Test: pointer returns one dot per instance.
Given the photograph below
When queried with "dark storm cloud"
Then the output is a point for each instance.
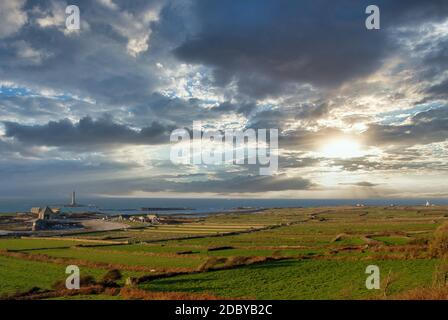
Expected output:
(434, 64)
(313, 112)
(243, 108)
(271, 118)
(282, 117)
(8, 149)
(423, 128)
(15, 150)
(439, 90)
(266, 45)
(40, 178)
(56, 177)
(34, 107)
(182, 112)
(86, 132)
(176, 110)
(236, 184)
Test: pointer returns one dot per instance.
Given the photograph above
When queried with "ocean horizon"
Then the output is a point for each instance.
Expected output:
(197, 205)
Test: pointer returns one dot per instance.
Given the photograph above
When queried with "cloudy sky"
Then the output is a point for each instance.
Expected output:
(361, 113)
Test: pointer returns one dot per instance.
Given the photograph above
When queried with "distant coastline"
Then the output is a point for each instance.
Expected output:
(197, 206)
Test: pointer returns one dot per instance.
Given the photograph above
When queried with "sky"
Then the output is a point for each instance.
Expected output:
(360, 113)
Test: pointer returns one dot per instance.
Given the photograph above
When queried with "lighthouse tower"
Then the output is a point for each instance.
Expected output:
(73, 203)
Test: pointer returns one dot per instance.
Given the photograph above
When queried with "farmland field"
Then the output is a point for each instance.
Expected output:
(275, 254)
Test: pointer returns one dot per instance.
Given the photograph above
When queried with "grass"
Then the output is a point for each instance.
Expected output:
(392, 240)
(24, 244)
(329, 250)
(134, 259)
(202, 250)
(299, 279)
(21, 275)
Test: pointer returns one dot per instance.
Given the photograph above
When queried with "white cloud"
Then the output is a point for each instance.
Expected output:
(12, 17)
(55, 17)
(30, 54)
(108, 4)
(138, 45)
(137, 29)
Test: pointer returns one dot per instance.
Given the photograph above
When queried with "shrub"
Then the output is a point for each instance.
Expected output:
(220, 248)
(185, 252)
(112, 275)
(236, 261)
(211, 263)
(438, 247)
(440, 276)
(418, 241)
(423, 294)
(84, 281)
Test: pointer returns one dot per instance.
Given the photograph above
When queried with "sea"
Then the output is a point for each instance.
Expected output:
(123, 206)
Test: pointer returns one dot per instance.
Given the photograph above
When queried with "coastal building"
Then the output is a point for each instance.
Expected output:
(45, 213)
(152, 218)
(35, 210)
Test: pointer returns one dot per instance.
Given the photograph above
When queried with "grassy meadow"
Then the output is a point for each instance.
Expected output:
(315, 253)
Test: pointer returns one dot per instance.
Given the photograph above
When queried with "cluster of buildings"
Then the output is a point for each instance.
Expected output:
(150, 218)
(51, 218)
(45, 217)
(45, 213)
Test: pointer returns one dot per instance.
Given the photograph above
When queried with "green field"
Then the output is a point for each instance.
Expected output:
(320, 254)
(22, 275)
(120, 258)
(299, 279)
(27, 244)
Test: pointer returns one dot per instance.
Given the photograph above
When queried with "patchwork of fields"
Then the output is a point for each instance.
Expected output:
(275, 254)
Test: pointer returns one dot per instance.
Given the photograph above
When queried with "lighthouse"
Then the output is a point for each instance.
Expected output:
(73, 203)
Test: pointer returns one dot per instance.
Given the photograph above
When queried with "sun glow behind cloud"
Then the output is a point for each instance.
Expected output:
(343, 148)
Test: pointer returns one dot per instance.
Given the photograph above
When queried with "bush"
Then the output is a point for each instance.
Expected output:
(112, 275)
(440, 277)
(438, 246)
(185, 252)
(419, 241)
(423, 294)
(84, 281)
(211, 263)
(219, 248)
(237, 261)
